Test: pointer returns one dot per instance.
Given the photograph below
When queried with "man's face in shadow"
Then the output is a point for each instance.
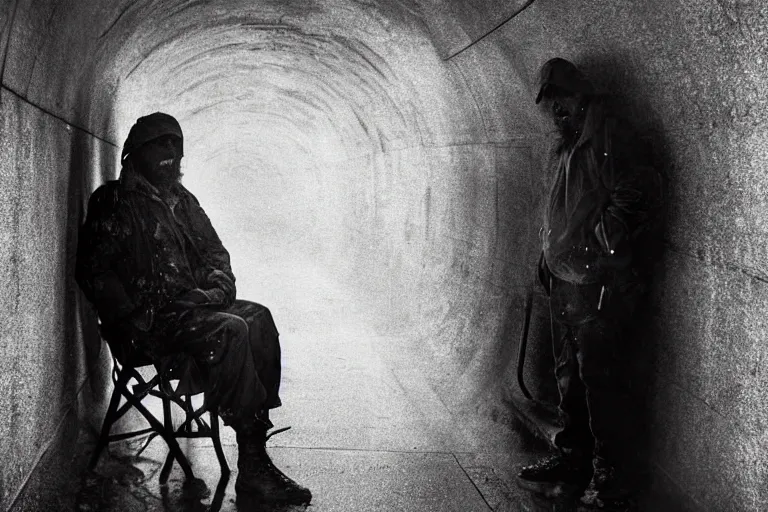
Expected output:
(159, 160)
(566, 110)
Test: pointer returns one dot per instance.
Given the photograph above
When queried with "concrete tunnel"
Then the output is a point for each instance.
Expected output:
(374, 168)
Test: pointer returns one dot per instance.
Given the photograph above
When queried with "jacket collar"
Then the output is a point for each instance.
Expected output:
(594, 121)
(133, 180)
(130, 179)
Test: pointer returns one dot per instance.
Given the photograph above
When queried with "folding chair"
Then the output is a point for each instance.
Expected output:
(126, 359)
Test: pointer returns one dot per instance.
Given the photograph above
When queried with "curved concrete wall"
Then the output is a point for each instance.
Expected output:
(338, 129)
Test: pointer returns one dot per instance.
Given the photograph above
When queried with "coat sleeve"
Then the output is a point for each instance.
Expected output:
(633, 185)
(101, 245)
(217, 270)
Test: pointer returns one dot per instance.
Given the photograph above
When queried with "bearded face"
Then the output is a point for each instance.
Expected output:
(567, 114)
(159, 160)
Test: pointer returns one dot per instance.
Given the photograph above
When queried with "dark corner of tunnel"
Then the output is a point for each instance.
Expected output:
(81, 318)
(464, 267)
(63, 458)
(530, 393)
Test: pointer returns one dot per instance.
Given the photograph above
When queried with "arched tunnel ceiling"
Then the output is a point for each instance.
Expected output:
(294, 77)
(456, 24)
(364, 72)
(430, 165)
(290, 90)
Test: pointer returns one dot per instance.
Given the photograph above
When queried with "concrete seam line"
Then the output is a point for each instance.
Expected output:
(494, 29)
(40, 454)
(363, 450)
(56, 116)
(478, 109)
(9, 26)
(677, 485)
(472, 482)
(717, 262)
(521, 142)
(711, 408)
(44, 449)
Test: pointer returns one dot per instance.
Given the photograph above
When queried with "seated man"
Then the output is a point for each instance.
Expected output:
(154, 268)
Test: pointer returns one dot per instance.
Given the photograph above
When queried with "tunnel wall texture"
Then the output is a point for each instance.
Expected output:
(426, 175)
(49, 352)
(694, 74)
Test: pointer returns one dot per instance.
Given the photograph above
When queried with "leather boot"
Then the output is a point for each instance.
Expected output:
(607, 491)
(257, 475)
(556, 475)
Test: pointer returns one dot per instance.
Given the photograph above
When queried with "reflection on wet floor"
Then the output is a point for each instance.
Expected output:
(126, 482)
(369, 432)
(123, 482)
(341, 480)
(537, 503)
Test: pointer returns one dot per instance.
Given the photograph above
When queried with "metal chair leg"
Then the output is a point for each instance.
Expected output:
(187, 411)
(165, 430)
(221, 489)
(109, 419)
(168, 421)
(165, 472)
(217, 444)
(168, 437)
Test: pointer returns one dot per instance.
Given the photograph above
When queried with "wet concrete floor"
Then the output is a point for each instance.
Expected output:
(368, 432)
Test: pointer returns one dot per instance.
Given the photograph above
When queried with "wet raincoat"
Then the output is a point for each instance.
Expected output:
(140, 256)
(599, 238)
(138, 253)
(605, 193)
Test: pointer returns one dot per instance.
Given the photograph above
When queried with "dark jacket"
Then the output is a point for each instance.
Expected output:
(136, 255)
(604, 195)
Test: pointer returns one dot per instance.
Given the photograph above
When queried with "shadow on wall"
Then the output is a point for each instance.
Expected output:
(613, 78)
(81, 324)
(74, 376)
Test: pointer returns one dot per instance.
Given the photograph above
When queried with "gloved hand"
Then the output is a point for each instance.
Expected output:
(611, 235)
(219, 280)
(198, 297)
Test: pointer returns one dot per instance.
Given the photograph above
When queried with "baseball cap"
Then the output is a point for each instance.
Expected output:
(564, 75)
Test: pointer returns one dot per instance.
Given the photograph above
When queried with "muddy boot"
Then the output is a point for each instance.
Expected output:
(257, 475)
(556, 476)
(607, 491)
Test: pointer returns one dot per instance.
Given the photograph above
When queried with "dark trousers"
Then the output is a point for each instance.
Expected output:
(231, 355)
(592, 350)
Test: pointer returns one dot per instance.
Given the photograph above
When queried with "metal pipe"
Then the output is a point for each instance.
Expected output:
(523, 344)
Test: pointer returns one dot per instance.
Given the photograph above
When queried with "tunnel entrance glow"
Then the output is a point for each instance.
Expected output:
(375, 170)
(311, 153)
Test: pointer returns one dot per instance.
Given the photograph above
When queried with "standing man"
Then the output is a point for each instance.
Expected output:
(153, 266)
(595, 270)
